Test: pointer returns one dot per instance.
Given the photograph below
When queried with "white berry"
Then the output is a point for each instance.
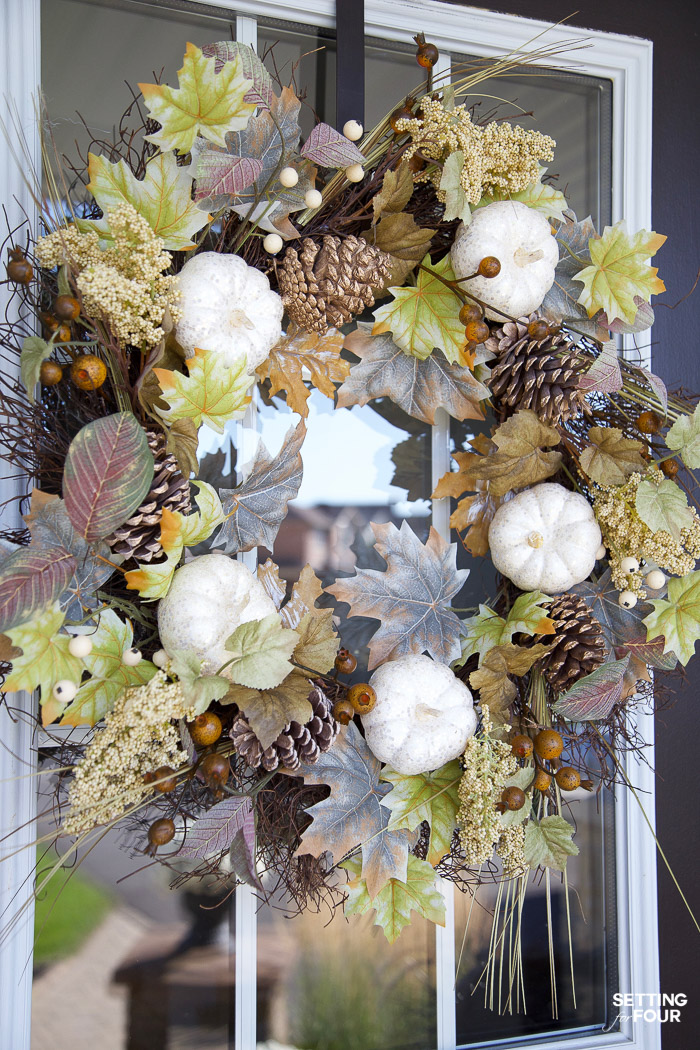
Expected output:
(272, 243)
(64, 691)
(313, 198)
(629, 565)
(353, 130)
(355, 173)
(80, 646)
(601, 552)
(132, 657)
(627, 599)
(289, 177)
(655, 579)
(160, 658)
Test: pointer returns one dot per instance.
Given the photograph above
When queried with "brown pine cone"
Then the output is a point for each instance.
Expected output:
(325, 285)
(296, 743)
(541, 375)
(577, 646)
(139, 537)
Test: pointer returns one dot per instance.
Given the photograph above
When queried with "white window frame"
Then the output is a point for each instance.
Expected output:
(627, 62)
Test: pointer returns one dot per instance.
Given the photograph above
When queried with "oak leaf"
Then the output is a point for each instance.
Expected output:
(619, 272)
(611, 457)
(410, 598)
(299, 350)
(418, 892)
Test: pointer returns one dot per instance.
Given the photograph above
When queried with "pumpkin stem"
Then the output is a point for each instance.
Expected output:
(535, 539)
(523, 257)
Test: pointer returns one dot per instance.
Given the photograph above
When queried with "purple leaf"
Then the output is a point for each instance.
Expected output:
(108, 473)
(652, 653)
(330, 149)
(260, 94)
(242, 853)
(604, 374)
(30, 580)
(656, 384)
(644, 319)
(594, 696)
(215, 830)
(219, 173)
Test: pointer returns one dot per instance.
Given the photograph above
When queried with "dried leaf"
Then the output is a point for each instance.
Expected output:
(317, 643)
(473, 514)
(258, 507)
(519, 461)
(643, 320)
(419, 387)
(492, 678)
(30, 581)
(398, 234)
(303, 598)
(664, 507)
(410, 598)
(352, 815)
(328, 148)
(183, 442)
(396, 192)
(619, 272)
(211, 392)
(260, 651)
(677, 617)
(430, 797)
(214, 831)
(548, 842)
(268, 711)
(604, 374)
(418, 892)
(299, 350)
(593, 697)
(611, 457)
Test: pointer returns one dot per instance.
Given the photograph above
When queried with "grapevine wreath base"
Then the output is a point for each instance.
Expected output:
(428, 264)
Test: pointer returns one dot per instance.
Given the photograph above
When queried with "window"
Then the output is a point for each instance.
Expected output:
(610, 88)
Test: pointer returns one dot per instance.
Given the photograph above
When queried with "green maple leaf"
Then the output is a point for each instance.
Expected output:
(427, 796)
(260, 651)
(684, 436)
(199, 689)
(424, 316)
(539, 196)
(195, 528)
(619, 271)
(212, 392)
(396, 900)
(487, 629)
(456, 203)
(45, 658)
(664, 507)
(206, 103)
(677, 617)
(548, 843)
(109, 675)
(153, 581)
(163, 197)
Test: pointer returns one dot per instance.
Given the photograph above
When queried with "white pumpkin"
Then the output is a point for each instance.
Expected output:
(227, 307)
(208, 599)
(521, 239)
(546, 538)
(423, 715)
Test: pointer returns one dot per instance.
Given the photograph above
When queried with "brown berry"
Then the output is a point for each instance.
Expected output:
(402, 113)
(50, 373)
(19, 269)
(88, 372)
(416, 163)
(521, 745)
(63, 334)
(567, 778)
(670, 467)
(470, 312)
(513, 798)
(206, 729)
(538, 329)
(549, 744)
(215, 770)
(489, 266)
(164, 780)
(66, 308)
(648, 423)
(49, 322)
(343, 712)
(542, 780)
(362, 697)
(427, 55)
(477, 331)
(161, 832)
(345, 662)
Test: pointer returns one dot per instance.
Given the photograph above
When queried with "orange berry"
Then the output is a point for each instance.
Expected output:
(206, 729)
(470, 312)
(362, 697)
(88, 372)
(63, 333)
(402, 113)
(215, 770)
(161, 832)
(343, 712)
(427, 55)
(19, 269)
(168, 781)
(542, 780)
(549, 744)
(489, 266)
(538, 329)
(567, 778)
(477, 331)
(521, 745)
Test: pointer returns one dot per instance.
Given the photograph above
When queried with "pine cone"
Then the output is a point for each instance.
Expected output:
(577, 647)
(326, 285)
(139, 537)
(541, 375)
(295, 744)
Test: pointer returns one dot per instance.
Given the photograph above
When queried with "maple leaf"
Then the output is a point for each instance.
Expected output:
(519, 461)
(255, 510)
(352, 815)
(269, 710)
(418, 387)
(619, 272)
(604, 374)
(487, 629)
(430, 797)
(399, 235)
(305, 591)
(260, 651)
(318, 643)
(199, 689)
(153, 581)
(473, 514)
(163, 197)
(109, 675)
(548, 842)
(45, 658)
(396, 192)
(425, 316)
(393, 905)
(684, 437)
(492, 678)
(677, 617)
(664, 507)
(594, 696)
(538, 195)
(410, 598)
(611, 457)
(205, 103)
(211, 393)
(300, 350)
